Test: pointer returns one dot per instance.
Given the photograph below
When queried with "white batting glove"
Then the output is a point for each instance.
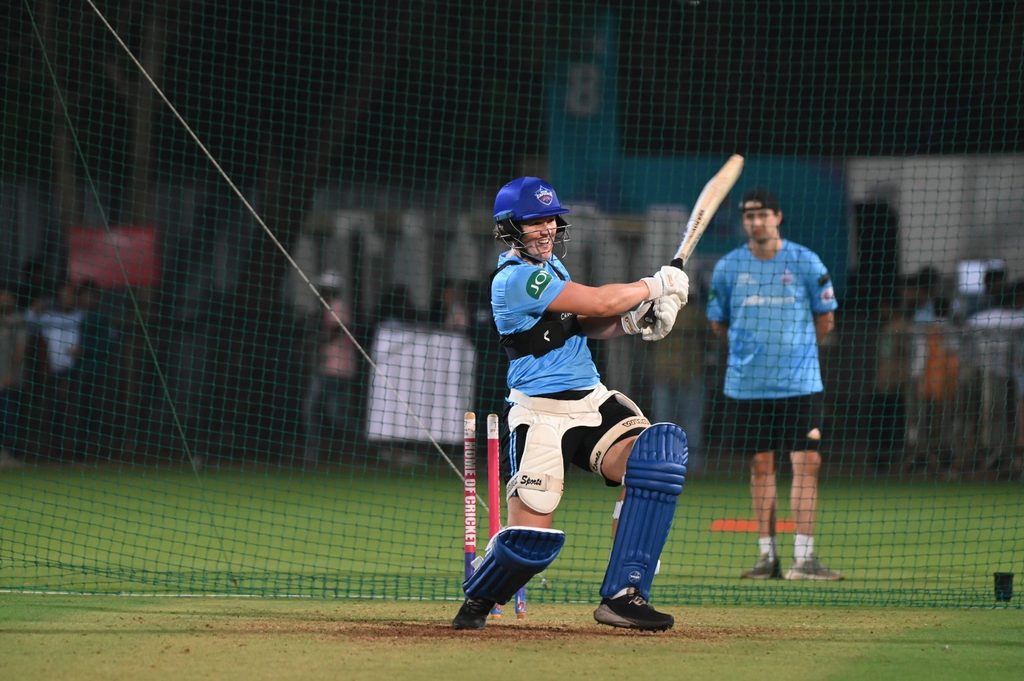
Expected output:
(633, 321)
(666, 281)
(665, 310)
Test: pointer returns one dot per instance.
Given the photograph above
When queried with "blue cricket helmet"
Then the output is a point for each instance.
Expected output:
(523, 199)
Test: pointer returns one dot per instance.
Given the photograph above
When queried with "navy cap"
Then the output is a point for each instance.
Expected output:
(760, 199)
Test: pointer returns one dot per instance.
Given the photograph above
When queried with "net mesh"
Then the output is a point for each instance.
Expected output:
(246, 304)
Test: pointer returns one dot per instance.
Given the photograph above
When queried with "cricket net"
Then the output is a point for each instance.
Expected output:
(246, 303)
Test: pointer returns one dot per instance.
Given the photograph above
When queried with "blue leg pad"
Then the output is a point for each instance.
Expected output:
(514, 556)
(655, 474)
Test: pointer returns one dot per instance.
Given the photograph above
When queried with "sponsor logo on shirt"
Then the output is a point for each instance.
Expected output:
(536, 284)
(758, 300)
(745, 279)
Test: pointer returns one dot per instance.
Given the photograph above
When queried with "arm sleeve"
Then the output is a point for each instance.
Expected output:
(819, 285)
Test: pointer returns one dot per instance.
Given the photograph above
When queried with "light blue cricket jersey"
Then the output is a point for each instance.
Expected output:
(520, 294)
(770, 307)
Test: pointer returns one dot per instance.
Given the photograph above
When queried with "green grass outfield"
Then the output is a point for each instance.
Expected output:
(251, 639)
(347, 533)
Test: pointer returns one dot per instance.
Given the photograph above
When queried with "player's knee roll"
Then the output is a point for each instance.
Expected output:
(658, 460)
(513, 557)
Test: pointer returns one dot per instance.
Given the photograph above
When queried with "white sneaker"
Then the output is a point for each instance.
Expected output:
(813, 569)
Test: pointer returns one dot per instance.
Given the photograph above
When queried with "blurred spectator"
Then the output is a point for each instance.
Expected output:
(995, 283)
(1017, 352)
(13, 339)
(992, 333)
(60, 327)
(455, 307)
(91, 377)
(968, 302)
(678, 382)
(922, 295)
(931, 407)
(334, 386)
(892, 380)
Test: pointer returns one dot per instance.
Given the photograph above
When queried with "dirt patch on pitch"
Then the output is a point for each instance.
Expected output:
(527, 632)
(412, 632)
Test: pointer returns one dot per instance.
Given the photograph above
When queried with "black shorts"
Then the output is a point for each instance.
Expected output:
(774, 425)
(577, 443)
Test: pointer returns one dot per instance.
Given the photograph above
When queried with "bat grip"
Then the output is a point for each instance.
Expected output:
(649, 315)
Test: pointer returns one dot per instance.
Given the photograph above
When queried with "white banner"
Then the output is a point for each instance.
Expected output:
(423, 384)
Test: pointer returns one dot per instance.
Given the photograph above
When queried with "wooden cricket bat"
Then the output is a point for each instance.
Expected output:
(703, 210)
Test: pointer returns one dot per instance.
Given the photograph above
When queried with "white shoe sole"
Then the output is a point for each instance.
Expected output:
(796, 575)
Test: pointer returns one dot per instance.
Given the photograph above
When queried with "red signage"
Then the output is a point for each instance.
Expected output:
(114, 257)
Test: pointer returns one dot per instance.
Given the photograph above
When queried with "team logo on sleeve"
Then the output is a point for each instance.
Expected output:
(828, 295)
(536, 284)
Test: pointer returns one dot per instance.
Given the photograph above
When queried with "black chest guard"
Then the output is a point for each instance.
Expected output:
(550, 333)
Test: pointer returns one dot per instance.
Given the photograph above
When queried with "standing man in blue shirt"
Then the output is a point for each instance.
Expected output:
(559, 413)
(772, 302)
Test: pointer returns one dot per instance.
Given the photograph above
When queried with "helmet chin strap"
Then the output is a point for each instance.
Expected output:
(522, 252)
(559, 239)
(537, 261)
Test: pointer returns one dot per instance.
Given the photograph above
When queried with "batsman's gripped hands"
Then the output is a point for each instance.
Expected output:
(666, 281)
(664, 311)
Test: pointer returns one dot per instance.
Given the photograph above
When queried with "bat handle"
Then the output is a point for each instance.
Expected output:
(649, 315)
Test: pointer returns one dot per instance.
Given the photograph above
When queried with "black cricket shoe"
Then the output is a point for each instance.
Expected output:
(473, 614)
(632, 611)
